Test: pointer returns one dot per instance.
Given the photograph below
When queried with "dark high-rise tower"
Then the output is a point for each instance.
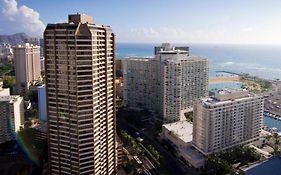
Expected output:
(79, 66)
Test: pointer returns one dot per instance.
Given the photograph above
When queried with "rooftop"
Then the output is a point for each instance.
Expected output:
(11, 99)
(76, 18)
(26, 45)
(138, 58)
(227, 95)
(4, 91)
(182, 129)
(173, 51)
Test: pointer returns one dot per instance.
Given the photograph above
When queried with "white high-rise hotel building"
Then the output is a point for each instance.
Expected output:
(226, 119)
(167, 83)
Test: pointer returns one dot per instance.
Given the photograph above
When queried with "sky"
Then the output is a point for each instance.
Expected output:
(154, 21)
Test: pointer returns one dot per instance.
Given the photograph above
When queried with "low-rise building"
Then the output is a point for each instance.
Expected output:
(180, 134)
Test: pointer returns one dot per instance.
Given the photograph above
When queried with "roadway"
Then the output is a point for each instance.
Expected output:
(172, 164)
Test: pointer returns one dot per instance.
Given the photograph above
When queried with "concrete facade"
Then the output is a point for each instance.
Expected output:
(27, 66)
(169, 83)
(226, 119)
(141, 89)
(80, 89)
(11, 115)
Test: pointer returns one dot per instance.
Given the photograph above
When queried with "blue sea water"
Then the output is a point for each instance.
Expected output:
(257, 60)
(270, 166)
(231, 85)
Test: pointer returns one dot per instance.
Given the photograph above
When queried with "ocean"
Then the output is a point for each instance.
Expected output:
(257, 60)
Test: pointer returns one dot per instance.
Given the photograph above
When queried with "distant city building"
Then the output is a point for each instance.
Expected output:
(42, 64)
(6, 53)
(27, 66)
(169, 83)
(33, 41)
(80, 90)
(167, 47)
(119, 70)
(226, 119)
(42, 58)
(11, 115)
(42, 103)
(41, 44)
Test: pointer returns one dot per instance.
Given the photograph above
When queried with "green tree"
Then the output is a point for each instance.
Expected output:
(8, 81)
(154, 152)
(189, 116)
(217, 166)
(5, 69)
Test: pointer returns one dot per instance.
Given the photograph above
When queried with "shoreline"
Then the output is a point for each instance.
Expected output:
(225, 79)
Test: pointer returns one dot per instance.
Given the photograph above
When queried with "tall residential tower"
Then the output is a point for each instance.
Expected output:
(169, 83)
(79, 65)
(27, 66)
(183, 79)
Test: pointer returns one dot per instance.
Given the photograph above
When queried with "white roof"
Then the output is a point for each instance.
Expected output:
(182, 129)
(10, 99)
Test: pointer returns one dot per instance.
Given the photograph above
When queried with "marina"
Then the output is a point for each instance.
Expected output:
(272, 122)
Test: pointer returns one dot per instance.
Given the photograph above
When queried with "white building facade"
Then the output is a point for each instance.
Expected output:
(27, 66)
(168, 83)
(11, 115)
(227, 119)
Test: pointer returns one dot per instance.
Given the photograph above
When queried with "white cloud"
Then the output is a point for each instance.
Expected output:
(267, 34)
(225, 19)
(149, 34)
(16, 19)
(247, 29)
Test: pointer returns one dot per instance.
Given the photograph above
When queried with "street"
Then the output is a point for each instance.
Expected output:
(171, 164)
